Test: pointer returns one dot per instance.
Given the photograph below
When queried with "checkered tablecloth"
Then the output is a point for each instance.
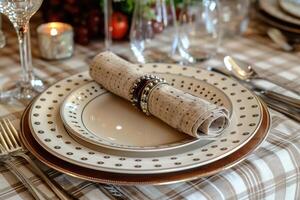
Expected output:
(271, 172)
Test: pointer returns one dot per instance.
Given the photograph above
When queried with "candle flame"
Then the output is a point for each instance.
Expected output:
(53, 31)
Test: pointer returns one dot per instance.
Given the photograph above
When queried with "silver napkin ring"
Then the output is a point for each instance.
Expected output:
(146, 93)
(136, 88)
(139, 86)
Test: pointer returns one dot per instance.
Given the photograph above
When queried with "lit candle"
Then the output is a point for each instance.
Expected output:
(56, 40)
(53, 32)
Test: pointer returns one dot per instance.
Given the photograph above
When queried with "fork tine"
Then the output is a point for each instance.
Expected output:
(2, 140)
(11, 133)
(13, 129)
(2, 149)
(6, 140)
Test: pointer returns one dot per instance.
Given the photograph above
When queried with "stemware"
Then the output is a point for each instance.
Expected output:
(19, 13)
(2, 36)
(234, 16)
(153, 27)
(107, 23)
(199, 30)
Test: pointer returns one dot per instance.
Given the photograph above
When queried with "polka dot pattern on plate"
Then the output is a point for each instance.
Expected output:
(54, 138)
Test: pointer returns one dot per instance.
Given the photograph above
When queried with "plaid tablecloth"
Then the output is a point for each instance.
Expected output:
(271, 172)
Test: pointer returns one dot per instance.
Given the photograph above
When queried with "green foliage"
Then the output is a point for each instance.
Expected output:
(124, 6)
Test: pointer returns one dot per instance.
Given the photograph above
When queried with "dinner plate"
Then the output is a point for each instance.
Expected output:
(291, 6)
(48, 129)
(272, 8)
(293, 29)
(89, 174)
(97, 118)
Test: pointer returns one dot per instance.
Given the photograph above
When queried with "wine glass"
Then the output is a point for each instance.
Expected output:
(19, 13)
(2, 36)
(107, 24)
(153, 34)
(234, 16)
(199, 30)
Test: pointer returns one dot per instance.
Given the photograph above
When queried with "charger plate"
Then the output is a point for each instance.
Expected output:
(140, 179)
(48, 129)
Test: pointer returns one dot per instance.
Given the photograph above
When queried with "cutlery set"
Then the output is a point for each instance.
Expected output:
(10, 149)
(286, 105)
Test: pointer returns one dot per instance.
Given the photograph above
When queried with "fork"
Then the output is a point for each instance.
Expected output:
(8, 161)
(13, 144)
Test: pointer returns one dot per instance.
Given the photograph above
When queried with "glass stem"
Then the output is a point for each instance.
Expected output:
(25, 54)
(29, 55)
(0, 22)
(107, 23)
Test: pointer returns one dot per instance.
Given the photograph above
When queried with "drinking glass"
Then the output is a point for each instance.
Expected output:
(2, 36)
(199, 30)
(153, 34)
(107, 5)
(19, 13)
(234, 16)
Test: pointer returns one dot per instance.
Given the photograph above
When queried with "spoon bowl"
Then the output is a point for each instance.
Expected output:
(233, 67)
(249, 74)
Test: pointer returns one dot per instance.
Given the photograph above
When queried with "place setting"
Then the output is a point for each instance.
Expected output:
(157, 104)
(83, 124)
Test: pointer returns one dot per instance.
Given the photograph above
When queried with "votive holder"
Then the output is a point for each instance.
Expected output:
(55, 40)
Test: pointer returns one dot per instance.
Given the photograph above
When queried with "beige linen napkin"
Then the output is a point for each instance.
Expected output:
(183, 111)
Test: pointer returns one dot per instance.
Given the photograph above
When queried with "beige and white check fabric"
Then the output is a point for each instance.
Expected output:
(271, 172)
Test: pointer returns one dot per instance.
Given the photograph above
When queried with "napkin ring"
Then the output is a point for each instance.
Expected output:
(146, 93)
(137, 88)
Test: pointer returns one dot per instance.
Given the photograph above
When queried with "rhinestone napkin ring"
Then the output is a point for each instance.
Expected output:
(141, 90)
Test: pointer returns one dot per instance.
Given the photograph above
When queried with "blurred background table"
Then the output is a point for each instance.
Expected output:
(271, 172)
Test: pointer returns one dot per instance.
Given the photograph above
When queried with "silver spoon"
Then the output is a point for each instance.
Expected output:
(246, 76)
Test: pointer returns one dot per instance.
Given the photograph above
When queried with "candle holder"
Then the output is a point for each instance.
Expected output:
(56, 40)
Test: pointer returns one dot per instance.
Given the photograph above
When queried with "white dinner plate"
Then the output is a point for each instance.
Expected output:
(98, 118)
(291, 6)
(48, 128)
(272, 8)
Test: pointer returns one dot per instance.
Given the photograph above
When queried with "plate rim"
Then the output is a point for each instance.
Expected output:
(143, 179)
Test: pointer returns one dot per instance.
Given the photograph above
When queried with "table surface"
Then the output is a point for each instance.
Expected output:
(271, 172)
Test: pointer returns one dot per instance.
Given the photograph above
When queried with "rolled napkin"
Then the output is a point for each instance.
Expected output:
(185, 112)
